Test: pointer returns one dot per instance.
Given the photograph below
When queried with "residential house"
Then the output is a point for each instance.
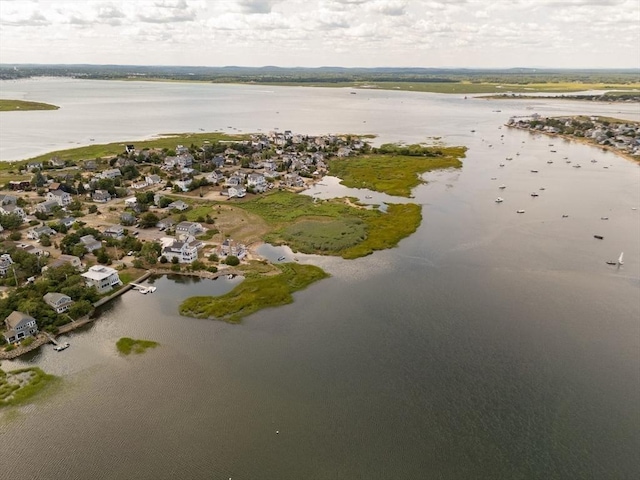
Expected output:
(90, 243)
(56, 162)
(153, 179)
(183, 184)
(166, 223)
(184, 251)
(102, 277)
(234, 181)
(178, 205)
(61, 198)
(47, 206)
(114, 231)
(238, 192)
(32, 249)
(33, 165)
(101, 196)
(11, 208)
(257, 182)
(130, 202)
(5, 264)
(110, 174)
(63, 260)
(231, 247)
(67, 221)
(36, 232)
(215, 176)
(8, 199)
(19, 184)
(19, 325)
(127, 219)
(90, 165)
(58, 301)
(189, 228)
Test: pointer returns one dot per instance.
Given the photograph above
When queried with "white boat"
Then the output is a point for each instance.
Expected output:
(499, 200)
(620, 262)
(604, 218)
(534, 194)
(61, 346)
(576, 165)
(502, 187)
(519, 211)
(534, 171)
(549, 161)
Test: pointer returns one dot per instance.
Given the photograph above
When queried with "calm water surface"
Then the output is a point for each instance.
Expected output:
(488, 345)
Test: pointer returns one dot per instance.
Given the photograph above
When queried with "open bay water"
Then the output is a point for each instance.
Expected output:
(488, 345)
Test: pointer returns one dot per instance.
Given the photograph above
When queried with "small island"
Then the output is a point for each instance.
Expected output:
(18, 386)
(127, 346)
(22, 105)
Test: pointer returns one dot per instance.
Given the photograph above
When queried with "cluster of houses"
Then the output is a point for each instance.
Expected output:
(622, 136)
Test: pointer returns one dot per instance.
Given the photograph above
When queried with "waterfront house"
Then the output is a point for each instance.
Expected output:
(102, 277)
(184, 251)
(33, 165)
(47, 206)
(19, 325)
(61, 198)
(63, 260)
(36, 232)
(231, 247)
(58, 301)
(101, 196)
(189, 228)
(90, 243)
(5, 264)
(56, 162)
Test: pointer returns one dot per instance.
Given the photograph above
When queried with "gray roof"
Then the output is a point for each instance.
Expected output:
(14, 319)
(55, 297)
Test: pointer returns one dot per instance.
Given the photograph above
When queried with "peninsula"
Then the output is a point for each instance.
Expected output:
(80, 225)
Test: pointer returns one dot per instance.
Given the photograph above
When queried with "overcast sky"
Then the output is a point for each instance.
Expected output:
(312, 33)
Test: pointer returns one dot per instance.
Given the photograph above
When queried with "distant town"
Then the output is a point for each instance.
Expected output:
(86, 227)
(623, 137)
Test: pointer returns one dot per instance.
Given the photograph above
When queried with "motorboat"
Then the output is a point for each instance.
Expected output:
(61, 346)
(519, 211)
(577, 165)
(549, 162)
(542, 188)
(534, 171)
(502, 187)
(599, 237)
(502, 164)
(534, 194)
(499, 200)
(280, 259)
(565, 216)
(604, 218)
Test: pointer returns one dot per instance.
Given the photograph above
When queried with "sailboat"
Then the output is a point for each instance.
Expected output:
(620, 262)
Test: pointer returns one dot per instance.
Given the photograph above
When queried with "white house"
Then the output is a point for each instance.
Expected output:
(185, 252)
(10, 208)
(36, 232)
(257, 182)
(102, 277)
(183, 184)
(19, 325)
(189, 228)
(5, 264)
(58, 301)
(236, 192)
(61, 198)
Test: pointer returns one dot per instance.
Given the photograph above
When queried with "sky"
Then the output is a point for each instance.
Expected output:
(313, 33)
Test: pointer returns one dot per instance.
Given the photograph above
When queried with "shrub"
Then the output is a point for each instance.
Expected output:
(232, 260)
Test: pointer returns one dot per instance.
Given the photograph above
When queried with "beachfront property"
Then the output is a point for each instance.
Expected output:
(5, 264)
(58, 301)
(61, 198)
(185, 251)
(102, 277)
(19, 326)
(231, 247)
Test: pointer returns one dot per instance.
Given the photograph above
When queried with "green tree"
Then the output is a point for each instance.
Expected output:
(232, 260)
(10, 221)
(45, 240)
(148, 220)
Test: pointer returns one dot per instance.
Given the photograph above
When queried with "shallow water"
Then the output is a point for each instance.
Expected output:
(487, 345)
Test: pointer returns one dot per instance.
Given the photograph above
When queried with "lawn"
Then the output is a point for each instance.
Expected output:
(254, 293)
